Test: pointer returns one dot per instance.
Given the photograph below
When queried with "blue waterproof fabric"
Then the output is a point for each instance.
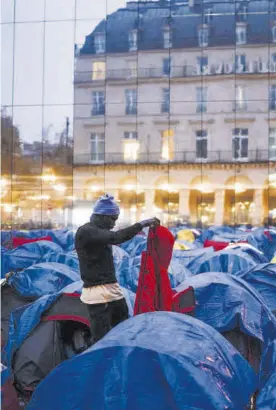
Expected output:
(262, 242)
(263, 279)
(135, 246)
(67, 259)
(249, 250)
(225, 302)
(134, 367)
(127, 272)
(177, 272)
(267, 397)
(191, 259)
(27, 255)
(43, 278)
(228, 261)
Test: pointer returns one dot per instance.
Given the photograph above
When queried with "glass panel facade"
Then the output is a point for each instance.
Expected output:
(174, 99)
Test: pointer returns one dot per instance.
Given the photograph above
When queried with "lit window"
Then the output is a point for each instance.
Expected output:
(98, 70)
(240, 103)
(274, 34)
(167, 145)
(201, 99)
(99, 42)
(131, 146)
(240, 34)
(272, 98)
(201, 144)
(97, 146)
(98, 103)
(203, 36)
(166, 100)
(131, 102)
(167, 38)
(272, 144)
(132, 40)
(240, 144)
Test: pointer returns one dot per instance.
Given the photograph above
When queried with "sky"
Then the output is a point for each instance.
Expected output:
(37, 62)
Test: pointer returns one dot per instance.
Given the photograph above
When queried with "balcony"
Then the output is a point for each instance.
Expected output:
(185, 71)
(187, 157)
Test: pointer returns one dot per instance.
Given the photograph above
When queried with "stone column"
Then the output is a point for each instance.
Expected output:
(257, 214)
(149, 204)
(219, 207)
(184, 208)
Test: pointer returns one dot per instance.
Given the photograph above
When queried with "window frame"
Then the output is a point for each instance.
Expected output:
(131, 103)
(272, 101)
(241, 34)
(98, 75)
(97, 43)
(165, 107)
(98, 108)
(201, 103)
(131, 139)
(167, 38)
(133, 41)
(240, 104)
(203, 36)
(97, 138)
(273, 33)
(272, 137)
(237, 136)
(202, 138)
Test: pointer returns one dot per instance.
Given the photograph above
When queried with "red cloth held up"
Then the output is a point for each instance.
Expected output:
(18, 241)
(218, 246)
(154, 291)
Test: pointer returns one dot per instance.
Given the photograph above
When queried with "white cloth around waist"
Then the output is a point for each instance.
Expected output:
(101, 294)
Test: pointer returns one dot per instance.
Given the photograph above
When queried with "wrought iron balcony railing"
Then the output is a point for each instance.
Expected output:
(185, 157)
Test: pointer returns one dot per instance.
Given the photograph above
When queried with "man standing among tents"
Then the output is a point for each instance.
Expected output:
(101, 292)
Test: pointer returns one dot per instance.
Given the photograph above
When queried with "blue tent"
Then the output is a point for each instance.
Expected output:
(263, 279)
(228, 261)
(225, 301)
(42, 279)
(267, 397)
(156, 361)
(27, 255)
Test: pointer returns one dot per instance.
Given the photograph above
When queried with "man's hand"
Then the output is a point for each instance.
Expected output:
(150, 222)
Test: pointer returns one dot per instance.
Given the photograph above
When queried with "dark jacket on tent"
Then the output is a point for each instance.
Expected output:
(93, 246)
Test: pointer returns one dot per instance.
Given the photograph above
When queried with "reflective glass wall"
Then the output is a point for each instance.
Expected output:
(168, 105)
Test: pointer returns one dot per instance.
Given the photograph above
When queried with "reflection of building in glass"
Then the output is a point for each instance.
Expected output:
(175, 110)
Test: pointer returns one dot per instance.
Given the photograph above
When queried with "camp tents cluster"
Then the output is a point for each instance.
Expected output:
(203, 337)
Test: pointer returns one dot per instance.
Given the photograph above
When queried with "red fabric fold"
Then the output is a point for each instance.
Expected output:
(18, 241)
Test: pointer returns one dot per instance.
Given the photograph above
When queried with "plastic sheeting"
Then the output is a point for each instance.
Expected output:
(263, 279)
(249, 250)
(134, 367)
(27, 255)
(42, 279)
(267, 397)
(228, 261)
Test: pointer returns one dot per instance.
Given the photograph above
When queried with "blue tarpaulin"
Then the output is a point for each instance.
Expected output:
(267, 397)
(225, 302)
(155, 361)
(263, 279)
(43, 278)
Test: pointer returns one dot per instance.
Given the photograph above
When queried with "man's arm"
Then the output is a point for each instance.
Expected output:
(106, 237)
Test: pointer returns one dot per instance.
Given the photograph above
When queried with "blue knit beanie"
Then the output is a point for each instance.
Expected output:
(106, 206)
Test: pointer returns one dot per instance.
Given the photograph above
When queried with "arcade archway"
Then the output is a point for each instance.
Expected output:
(166, 200)
(202, 200)
(239, 200)
(132, 200)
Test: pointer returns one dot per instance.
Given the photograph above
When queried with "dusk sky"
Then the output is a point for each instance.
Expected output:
(38, 59)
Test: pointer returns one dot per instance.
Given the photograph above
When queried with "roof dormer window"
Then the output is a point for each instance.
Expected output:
(132, 40)
(274, 33)
(99, 43)
(240, 33)
(167, 35)
(208, 16)
(203, 36)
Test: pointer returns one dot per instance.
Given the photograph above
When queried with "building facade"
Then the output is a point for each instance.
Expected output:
(175, 112)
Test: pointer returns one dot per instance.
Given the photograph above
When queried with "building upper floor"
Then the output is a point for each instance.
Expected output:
(176, 24)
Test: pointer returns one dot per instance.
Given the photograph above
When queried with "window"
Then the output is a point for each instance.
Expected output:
(208, 16)
(132, 69)
(202, 63)
(131, 146)
(240, 143)
(274, 34)
(132, 40)
(201, 144)
(166, 66)
(240, 103)
(201, 98)
(131, 102)
(272, 144)
(203, 36)
(240, 34)
(166, 100)
(98, 103)
(167, 145)
(272, 98)
(99, 42)
(242, 12)
(98, 70)
(240, 63)
(167, 38)
(97, 147)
